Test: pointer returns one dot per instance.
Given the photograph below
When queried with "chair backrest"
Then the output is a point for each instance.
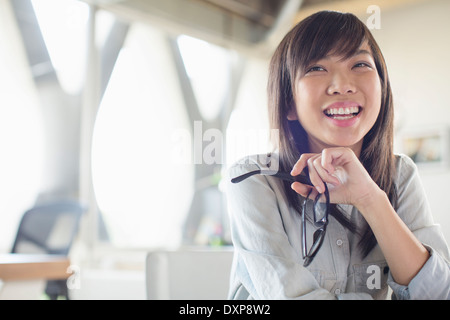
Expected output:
(188, 274)
(48, 228)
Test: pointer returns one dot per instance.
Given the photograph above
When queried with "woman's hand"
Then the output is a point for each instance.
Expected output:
(347, 180)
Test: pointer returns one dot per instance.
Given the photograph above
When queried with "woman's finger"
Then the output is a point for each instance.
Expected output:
(313, 167)
(301, 163)
(317, 174)
(301, 189)
(325, 175)
(299, 166)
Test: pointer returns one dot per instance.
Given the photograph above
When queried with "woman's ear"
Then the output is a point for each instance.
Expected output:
(292, 114)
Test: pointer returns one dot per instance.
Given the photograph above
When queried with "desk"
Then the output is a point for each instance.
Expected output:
(20, 273)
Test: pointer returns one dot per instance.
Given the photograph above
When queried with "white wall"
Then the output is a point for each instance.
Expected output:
(416, 46)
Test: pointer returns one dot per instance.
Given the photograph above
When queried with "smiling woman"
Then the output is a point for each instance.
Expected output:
(330, 98)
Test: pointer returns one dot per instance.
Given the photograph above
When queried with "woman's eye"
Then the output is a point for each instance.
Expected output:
(362, 65)
(315, 68)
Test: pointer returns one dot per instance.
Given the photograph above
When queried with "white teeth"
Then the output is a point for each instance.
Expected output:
(342, 111)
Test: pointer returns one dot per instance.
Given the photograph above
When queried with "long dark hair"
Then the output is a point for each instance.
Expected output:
(321, 34)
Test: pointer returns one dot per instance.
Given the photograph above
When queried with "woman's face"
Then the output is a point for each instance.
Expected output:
(337, 101)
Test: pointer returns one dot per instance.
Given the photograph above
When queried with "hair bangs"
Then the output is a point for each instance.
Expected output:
(338, 35)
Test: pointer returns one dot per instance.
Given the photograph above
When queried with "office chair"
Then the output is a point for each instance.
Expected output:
(49, 229)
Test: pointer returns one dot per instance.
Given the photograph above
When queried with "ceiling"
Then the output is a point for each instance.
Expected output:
(250, 26)
(246, 25)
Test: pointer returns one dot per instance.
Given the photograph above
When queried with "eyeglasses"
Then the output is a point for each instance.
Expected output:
(320, 207)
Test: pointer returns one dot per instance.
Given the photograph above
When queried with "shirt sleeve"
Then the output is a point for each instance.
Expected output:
(433, 280)
(424, 286)
(265, 262)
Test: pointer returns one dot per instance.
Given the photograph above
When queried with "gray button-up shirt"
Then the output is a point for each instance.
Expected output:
(266, 234)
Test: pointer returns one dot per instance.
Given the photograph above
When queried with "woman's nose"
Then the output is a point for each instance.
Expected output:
(341, 83)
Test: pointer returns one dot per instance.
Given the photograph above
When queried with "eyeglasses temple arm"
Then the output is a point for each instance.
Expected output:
(288, 177)
(281, 175)
(245, 176)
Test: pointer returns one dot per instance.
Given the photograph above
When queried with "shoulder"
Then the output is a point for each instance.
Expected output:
(255, 186)
(266, 161)
(412, 204)
(406, 169)
(405, 162)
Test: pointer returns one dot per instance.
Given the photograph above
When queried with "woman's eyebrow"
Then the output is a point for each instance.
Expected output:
(358, 52)
(362, 51)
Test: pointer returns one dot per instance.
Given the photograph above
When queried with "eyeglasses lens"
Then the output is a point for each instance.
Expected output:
(317, 206)
(320, 210)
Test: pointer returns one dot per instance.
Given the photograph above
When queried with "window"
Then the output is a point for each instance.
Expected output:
(64, 27)
(21, 134)
(208, 69)
(248, 128)
(143, 194)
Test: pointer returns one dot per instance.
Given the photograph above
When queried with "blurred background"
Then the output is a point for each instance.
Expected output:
(135, 108)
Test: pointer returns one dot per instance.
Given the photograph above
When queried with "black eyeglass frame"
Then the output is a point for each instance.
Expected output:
(321, 224)
(278, 174)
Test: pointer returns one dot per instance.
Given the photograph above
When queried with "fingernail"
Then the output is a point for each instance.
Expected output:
(319, 189)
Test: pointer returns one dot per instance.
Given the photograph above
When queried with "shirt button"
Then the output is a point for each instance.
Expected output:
(339, 242)
(337, 291)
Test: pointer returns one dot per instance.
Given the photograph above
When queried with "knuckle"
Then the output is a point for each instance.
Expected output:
(317, 161)
(304, 157)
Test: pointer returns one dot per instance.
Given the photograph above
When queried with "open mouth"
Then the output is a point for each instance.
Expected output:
(342, 113)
